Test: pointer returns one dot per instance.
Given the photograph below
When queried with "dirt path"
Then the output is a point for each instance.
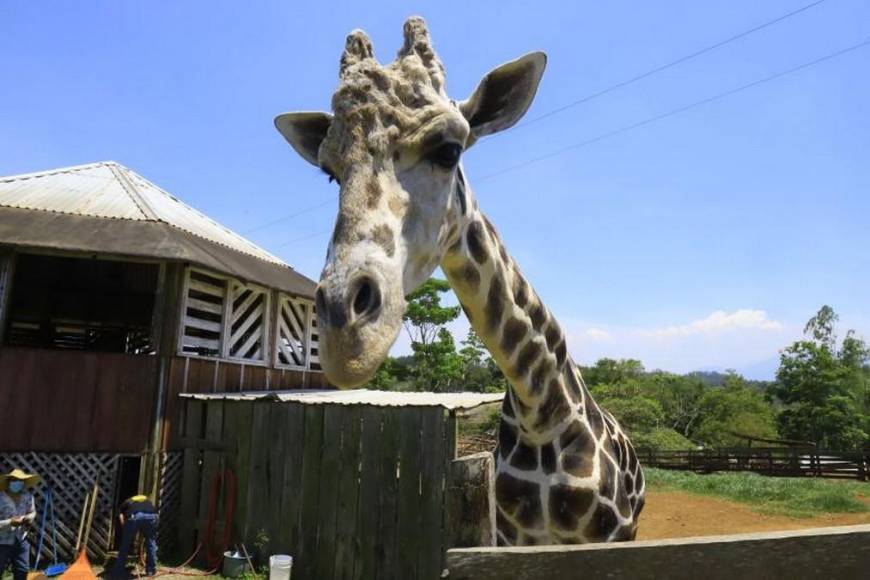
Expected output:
(678, 515)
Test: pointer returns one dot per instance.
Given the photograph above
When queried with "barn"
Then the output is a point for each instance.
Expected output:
(116, 298)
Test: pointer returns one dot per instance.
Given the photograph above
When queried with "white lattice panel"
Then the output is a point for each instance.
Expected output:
(297, 334)
(203, 315)
(248, 322)
(71, 476)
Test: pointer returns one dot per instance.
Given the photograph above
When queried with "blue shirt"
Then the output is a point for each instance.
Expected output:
(10, 508)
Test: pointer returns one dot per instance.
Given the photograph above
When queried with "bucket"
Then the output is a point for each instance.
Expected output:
(279, 567)
(234, 565)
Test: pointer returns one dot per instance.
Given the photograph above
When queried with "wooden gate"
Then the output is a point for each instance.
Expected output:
(349, 490)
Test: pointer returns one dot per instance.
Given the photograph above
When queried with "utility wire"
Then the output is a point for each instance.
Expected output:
(676, 111)
(286, 217)
(299, 239)
(671, 64)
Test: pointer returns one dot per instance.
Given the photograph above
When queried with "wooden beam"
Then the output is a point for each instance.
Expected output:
(470, 501)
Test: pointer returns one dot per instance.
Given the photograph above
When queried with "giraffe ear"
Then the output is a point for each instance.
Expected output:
(504, 95)
(305, 132)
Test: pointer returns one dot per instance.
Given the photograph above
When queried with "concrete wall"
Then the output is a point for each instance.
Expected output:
(841, 553)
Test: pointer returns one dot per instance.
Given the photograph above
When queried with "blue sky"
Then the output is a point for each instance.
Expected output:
(704, 240)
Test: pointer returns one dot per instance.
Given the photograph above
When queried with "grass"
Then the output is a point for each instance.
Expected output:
(788, 496)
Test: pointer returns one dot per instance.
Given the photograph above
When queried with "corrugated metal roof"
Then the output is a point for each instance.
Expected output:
(110, 190)
(450, 401)
(107, 208)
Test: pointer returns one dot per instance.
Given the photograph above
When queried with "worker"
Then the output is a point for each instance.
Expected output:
(137, 515)
(17, 512)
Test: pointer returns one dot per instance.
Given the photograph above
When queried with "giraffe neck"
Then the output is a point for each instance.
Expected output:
(522, 336)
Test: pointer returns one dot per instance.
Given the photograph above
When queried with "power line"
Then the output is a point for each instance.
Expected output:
(287, 217)
(673, 112)
(671, 64)
(299, 239)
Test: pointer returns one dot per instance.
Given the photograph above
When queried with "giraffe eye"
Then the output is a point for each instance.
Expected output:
(446, 155)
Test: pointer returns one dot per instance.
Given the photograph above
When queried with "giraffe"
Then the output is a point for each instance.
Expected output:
(565, 470)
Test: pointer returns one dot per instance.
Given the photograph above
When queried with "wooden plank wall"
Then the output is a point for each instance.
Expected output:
(203, 375)
(61, 400)
(350, 491)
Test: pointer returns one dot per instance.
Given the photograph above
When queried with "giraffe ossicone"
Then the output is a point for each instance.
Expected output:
(566, 472)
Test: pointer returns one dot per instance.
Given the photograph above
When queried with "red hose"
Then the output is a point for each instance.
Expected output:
(224, 480)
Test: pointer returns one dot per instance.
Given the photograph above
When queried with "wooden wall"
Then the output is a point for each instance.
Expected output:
(203, 375)
(61, 400)
(350, 491)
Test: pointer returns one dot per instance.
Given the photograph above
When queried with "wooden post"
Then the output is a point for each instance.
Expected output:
(470, 501)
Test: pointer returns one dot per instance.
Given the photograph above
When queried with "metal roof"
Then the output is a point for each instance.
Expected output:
(130, 215)
(450, 401)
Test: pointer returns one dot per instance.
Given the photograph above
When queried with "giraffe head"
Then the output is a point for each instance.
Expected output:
(393, 143)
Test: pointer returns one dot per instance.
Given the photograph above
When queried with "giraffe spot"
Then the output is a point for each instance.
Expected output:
(628, 482)
(467, 275)
(638, 480)
(507, 408)
(554, 408)
(622, 503)
(502, 252)
(490, 228)
(569, 504)
(548, 458)
(476, 246)
(527, 356)
(514, 331)
(553, 334)
(632, 461)
(561, 353)
(460, 193)
(625, 533)
(607, 483)
(578, 454)
(507, 439)
(396, 206)
(505, 528)
(383, 236)
(521, 289)
(593, 414)
(494, 303)
(520, 499)
(373, 193)
(601, 525)
(524, 457)
(538, 314)
(539, 376)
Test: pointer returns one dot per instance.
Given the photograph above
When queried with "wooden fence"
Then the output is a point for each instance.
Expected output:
(350, 491)
(842, 553)
(775, 461)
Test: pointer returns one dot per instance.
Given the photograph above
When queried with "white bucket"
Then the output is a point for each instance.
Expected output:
(279, 567)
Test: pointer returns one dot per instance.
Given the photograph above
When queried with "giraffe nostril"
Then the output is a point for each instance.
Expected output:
(368, 298)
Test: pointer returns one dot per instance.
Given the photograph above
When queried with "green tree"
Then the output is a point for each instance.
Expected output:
(821, 389)
(734, 408)
(480, 373)
(437, 366)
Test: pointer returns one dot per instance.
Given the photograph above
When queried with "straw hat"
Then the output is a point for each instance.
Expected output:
(29, 479)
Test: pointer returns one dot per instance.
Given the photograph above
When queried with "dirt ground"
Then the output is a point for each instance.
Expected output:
(678, 515)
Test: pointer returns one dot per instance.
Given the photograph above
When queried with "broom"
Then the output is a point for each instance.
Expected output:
(81, 569)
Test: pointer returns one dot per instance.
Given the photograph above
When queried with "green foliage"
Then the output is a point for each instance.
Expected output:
(823, 391)
(436, 365)
(733, 409)
(661, 438)
(795, 497)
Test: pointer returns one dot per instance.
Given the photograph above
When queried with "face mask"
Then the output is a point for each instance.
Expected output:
(16, 486)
